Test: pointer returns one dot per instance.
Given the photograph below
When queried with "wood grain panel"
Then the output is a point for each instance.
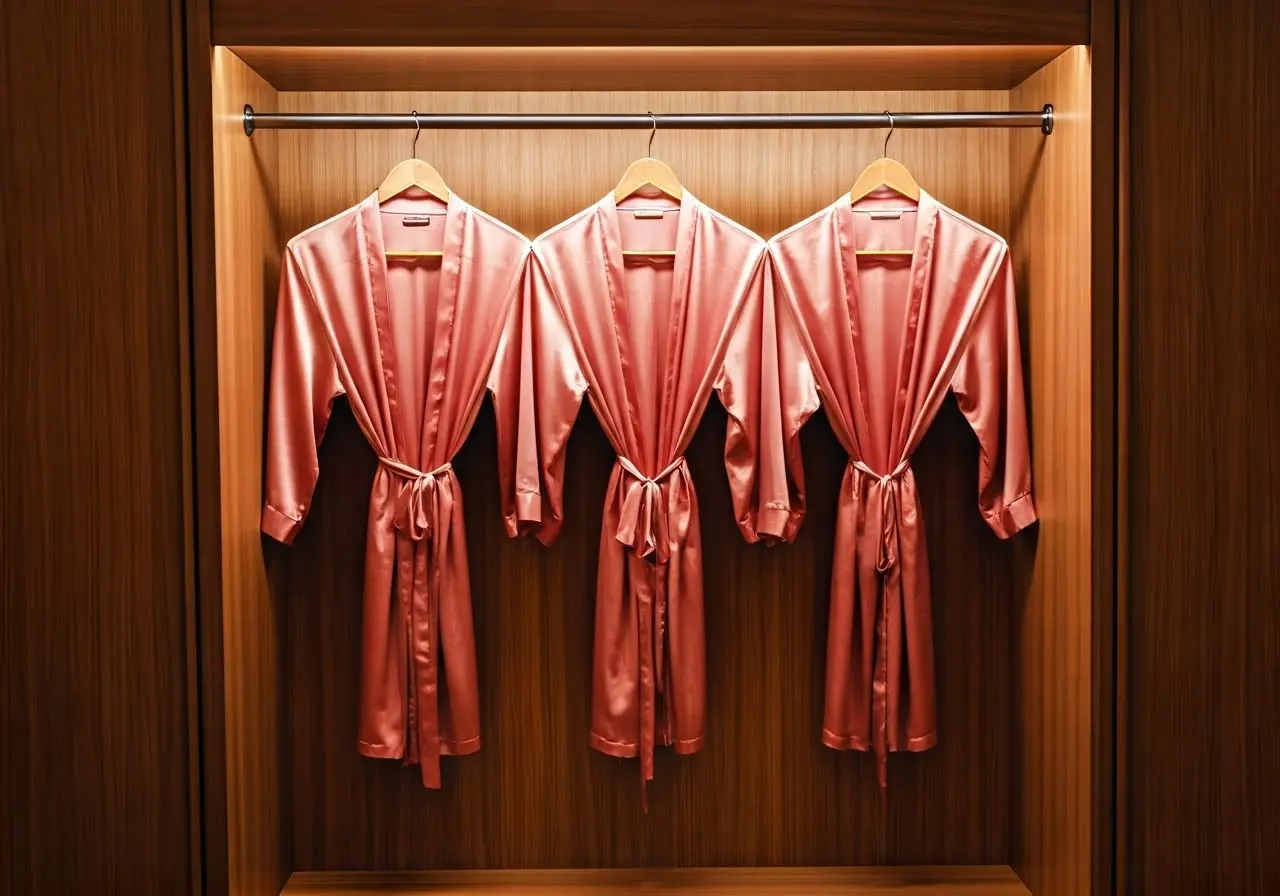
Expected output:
(94, 743)
(1051, 242)
(534, 179)
(647, 68)
(248, 265)
(956, 880)
(764, 791)
(650, 22)
(1108, 125)
(1204, 474)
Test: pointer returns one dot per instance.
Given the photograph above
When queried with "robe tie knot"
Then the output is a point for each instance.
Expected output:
(888, 487)
(646, 524)
(415, 503)
(652, 524)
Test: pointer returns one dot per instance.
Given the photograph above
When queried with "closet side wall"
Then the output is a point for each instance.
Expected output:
(248, 242)
(764, 791)
(1050, 238)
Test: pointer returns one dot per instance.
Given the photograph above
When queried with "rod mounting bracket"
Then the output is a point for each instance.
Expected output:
(248, 120)
(1046, 119)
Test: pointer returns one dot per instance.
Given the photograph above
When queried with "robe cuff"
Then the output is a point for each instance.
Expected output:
(1013, 517)
(527, 515)
(777, 522)
(278, 525)
(528, 507)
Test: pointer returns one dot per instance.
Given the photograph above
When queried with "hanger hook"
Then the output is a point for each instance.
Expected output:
(654, 119)
(888, 115)
(417, 125)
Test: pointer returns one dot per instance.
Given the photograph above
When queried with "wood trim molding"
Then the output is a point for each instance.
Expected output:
(190, 554)
(1120, 786)
(918, 880)
(650, 23)
(1108, 55)
(202, 340)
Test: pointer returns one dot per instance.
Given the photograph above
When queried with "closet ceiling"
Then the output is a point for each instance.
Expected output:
(648, 68)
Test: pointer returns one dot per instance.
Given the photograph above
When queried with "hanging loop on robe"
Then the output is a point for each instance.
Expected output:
(888, 487)
(415, 503)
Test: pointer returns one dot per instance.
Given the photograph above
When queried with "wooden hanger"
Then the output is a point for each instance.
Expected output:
(410, 174)
(648, 172)
(888, 173)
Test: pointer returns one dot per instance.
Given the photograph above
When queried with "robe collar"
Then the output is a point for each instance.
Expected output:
(374, 251)
(917, 298)
(643, 447)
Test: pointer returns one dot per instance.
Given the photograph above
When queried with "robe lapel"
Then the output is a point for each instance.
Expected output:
(845, 246)
(908, 368)
(669, 438)
(376, 262)
(433, 435)
(641, 447)
(902, 419)
(611, 240)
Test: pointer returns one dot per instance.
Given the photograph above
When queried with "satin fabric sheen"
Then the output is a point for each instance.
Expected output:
(649, 683)
(882, 362)
(338, 328)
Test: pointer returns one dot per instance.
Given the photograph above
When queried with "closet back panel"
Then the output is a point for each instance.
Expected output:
(764, 790)
(1004, 785)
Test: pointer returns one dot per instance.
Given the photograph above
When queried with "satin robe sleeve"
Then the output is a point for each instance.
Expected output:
(304, 383)
(511, 385)
(551, 396)
(988, 386)
(764, 385)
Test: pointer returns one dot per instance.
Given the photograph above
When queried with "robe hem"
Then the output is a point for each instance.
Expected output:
(632, 750)
(279, 525)
(447, 748)
(853, 742)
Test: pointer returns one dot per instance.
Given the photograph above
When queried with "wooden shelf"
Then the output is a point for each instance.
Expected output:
(944, 880)
(647, 68)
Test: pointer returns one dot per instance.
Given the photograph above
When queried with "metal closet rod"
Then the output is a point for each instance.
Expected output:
(1042, 119)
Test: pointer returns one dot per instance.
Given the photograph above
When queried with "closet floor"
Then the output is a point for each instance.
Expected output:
(942, 880)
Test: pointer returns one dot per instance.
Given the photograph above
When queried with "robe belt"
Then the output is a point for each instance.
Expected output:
(645, 524)
(648, 526)
(886, 559)
(416, 498)
(416, 509)
(887, 556)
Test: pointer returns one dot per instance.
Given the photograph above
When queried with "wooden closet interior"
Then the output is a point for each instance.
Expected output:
(1005, 803)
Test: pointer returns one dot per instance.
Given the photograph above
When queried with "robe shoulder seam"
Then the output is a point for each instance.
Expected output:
(555, 229)
(783, 235)
(743, 229)
(302, 238)
(503, 225)
(981, 230)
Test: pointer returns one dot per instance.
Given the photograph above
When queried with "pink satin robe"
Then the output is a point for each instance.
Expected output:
(413, 345)
(885, 338)
(648, 341)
